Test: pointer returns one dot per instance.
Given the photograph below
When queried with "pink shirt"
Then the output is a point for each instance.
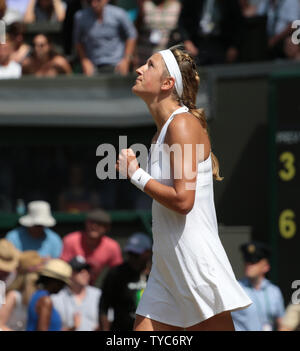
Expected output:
(107, 253)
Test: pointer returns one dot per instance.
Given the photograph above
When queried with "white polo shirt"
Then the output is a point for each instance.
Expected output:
(66, 306)
(12, 71)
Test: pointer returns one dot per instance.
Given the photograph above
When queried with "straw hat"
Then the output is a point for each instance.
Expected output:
(9, 256)
(30, 261)
(57, 269)
(39, 213)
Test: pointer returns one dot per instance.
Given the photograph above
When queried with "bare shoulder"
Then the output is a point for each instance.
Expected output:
(44, 301)
(187, 129)
(60, 60)
(185, 125)
(43, 304)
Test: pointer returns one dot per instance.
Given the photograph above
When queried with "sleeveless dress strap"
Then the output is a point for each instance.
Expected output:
(169, 120)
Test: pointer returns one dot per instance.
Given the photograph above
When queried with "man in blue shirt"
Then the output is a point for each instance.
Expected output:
(35, 233)
(268, 306)
(104, 37)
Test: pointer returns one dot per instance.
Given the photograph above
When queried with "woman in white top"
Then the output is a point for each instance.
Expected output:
(191, 285)
(13, 314)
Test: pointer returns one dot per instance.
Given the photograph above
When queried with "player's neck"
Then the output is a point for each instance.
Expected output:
(161, 111)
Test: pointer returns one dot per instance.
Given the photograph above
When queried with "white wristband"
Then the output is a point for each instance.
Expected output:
(140, 178)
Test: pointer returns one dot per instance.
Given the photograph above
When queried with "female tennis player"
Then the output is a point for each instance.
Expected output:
(191, 285)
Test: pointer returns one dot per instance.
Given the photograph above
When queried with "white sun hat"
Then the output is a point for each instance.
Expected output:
(39, 213)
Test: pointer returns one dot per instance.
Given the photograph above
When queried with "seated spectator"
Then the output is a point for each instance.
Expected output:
(9, 260)
(157, 19)
(44, 61)
(9, 69)
(45, 11)
(280, 16)
(124, 285)
(78, 303)
(20, 49)
(77, 198)
(211, 30)
(93, 244)
(35, 233)
(267, 309)
(15, 10)
(42, 315)
(291, 50)
(105, 38)
(13, 314)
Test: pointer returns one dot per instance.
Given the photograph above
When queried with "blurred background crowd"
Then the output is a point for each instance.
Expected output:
(48, 38)
(75, 275)
(52, 284)
(97, 36)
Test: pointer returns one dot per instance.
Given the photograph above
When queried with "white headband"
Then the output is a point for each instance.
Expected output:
(173, 69)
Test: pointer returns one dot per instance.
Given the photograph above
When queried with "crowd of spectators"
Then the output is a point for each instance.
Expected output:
(51, 284)
(56, 289)
(100, 36)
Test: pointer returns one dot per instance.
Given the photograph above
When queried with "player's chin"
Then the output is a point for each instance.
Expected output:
(135, 89)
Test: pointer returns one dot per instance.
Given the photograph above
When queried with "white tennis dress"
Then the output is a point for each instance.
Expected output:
(191, 277)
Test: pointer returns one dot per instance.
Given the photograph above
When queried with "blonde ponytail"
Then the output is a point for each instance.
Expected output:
(191, 80)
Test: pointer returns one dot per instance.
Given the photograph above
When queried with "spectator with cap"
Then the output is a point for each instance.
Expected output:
(42, 315)
(9, 259)
(34, 233)
(78, 303)
(93, 244)
(104, 38)
(124, 285)
(267, 310)
(13, 314)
